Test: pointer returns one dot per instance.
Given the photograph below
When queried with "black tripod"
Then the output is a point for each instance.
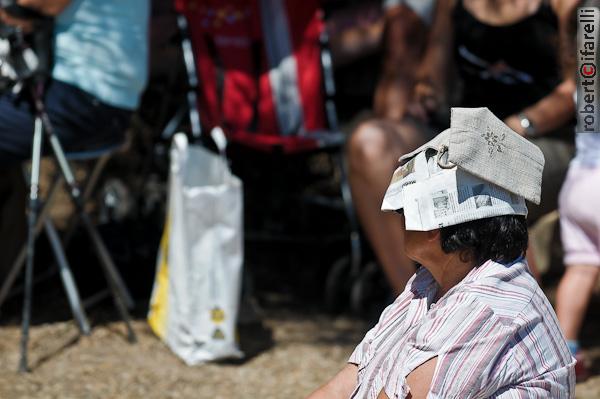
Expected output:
(37, 216)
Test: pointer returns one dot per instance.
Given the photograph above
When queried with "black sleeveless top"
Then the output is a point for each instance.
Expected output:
(507, 68)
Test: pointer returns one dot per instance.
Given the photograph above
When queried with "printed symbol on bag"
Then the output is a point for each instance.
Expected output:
(218, 334)
(495, 142)
(217, 315)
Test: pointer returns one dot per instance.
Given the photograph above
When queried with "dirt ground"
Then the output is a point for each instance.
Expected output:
(289, 354)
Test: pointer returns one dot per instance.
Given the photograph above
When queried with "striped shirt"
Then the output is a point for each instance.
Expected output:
(494, 334)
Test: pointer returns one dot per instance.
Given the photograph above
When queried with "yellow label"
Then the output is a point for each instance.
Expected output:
(159, 306)
(217, 315)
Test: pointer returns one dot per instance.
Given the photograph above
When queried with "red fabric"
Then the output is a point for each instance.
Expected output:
(273, 142)
(228, 47)
(306, 24)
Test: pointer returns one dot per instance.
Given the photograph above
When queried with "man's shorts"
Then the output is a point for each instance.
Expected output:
(579, 216)
(81, 122)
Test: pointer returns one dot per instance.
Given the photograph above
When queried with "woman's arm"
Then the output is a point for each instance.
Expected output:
(340, 386)
(558, 107)
(551, 112)
(418, 381)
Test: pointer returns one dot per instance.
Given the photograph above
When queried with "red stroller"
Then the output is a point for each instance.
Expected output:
(261, 70)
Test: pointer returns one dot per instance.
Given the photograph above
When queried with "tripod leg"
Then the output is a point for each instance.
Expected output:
(67, 278)
(31, 234)
(117, 286)
(120, 293)
(22, 255)
(89, 186)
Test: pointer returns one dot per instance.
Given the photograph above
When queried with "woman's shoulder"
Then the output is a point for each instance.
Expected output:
(491, 273)
(511, 294)
(506, 289)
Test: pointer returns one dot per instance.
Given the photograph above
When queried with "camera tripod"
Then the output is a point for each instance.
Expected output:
(37, 219)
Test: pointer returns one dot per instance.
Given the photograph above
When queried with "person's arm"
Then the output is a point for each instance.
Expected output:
(404, 40)
(418, 381)
(340, 386)
(558, 107)
(355, 32)
(46, 7)
(433, 71)
(24, 24)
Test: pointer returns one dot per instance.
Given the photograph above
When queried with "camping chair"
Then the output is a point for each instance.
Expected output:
(261, 70)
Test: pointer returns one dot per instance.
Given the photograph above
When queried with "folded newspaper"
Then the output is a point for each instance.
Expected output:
(434, 192)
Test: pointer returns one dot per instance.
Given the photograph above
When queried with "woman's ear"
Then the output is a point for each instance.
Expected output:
(433, 235)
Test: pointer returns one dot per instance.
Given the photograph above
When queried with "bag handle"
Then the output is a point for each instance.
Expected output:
(220, 140)
(218, 136)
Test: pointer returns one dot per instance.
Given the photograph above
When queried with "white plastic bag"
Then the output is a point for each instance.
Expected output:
(196, 294)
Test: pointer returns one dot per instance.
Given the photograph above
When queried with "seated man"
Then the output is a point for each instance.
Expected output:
(472, 322)
(100, 69)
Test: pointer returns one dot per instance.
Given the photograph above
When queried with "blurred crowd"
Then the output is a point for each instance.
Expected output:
(516, 57)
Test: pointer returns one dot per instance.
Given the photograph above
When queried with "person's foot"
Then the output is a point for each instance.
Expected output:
(582, 372)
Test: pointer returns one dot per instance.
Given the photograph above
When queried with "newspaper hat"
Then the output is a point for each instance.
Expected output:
(478, 168)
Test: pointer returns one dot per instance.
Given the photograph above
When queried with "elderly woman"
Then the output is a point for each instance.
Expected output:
(472, 322)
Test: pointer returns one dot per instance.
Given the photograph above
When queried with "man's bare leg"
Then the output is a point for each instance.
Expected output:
(373, 152)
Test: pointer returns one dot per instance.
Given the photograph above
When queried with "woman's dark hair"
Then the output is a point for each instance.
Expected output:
(499, 238)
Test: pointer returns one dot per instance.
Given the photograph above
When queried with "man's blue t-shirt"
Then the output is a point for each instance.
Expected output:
(101, 46)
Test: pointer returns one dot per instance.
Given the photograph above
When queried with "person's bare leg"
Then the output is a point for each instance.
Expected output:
(373, 152)
(573, 296)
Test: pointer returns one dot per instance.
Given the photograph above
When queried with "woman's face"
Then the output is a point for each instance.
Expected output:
(417, 244)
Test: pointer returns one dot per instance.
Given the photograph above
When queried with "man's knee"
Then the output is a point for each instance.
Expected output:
(368, 145)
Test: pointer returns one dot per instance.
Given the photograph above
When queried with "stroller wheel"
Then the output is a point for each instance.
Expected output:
(367, 290)
(338, 285)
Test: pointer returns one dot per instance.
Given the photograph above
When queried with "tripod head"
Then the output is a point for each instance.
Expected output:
(24, 56)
